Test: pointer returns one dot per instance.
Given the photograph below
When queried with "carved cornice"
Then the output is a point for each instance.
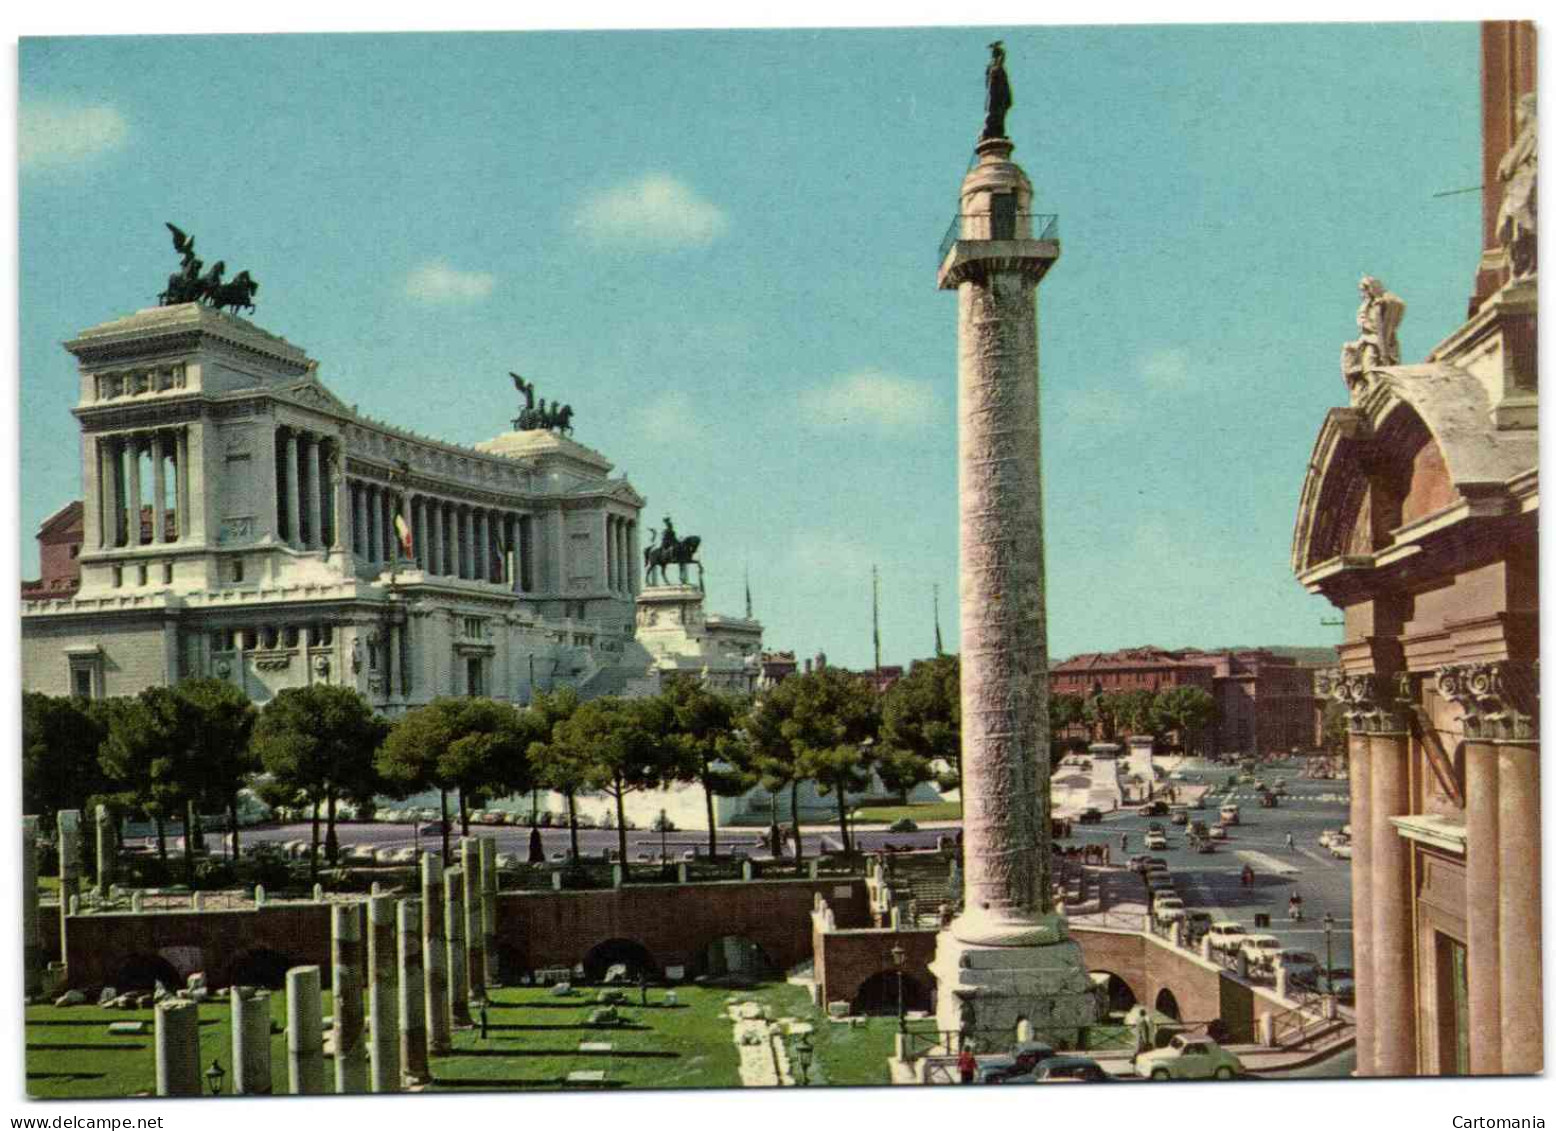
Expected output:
(1500, 699)
(1369, 703)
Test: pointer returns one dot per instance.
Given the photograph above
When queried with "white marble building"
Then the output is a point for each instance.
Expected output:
(240, 522)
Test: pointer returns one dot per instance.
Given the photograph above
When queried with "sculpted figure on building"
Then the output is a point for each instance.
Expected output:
(1378, 319)
(997, 101)
(1519, 174)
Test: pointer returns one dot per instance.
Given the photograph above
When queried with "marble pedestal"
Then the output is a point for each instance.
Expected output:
(986, 990)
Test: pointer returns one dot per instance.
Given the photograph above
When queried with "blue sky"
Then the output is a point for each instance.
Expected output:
(719, 248)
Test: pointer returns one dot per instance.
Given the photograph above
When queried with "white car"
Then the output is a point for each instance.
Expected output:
(1217, 832)
(1224, 934)
(1260, 950)
(1341, 851)
(1188, 1058)
(1155, 842)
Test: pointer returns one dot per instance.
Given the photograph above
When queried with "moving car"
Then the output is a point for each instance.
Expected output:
(1230, 815)
(1014, 1067)
(1188, 1058)
(1090, 816)
(1179, 815)
(1155, 840)
(1069, 1070)
(1341, 850)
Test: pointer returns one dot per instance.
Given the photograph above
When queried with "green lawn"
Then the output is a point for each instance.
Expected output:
(929, 811)
(532, 1043)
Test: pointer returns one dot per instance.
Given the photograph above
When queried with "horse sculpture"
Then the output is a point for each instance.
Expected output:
(682, 552)
(238, 293)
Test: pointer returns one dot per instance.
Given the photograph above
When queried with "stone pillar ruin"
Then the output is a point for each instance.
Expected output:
(178, 1048)
(383, 956)
(347, 955)
(250, 1043)
(413, 1003)
(458, 959)
(69, 825)
(32, 940)
(435, 955)
(1008, 954)
(304, 1031)
(106, 851)
(475, 928)
(489, 908)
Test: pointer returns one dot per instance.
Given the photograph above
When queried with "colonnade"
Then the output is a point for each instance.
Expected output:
(448, 538)
(121, 496)
(305, 491)
(621, 554)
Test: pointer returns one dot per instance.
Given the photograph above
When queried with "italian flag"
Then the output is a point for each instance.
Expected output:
(404, 532)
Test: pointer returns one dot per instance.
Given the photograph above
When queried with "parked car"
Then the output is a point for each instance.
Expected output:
(1300, 965)
(1138, 863)
(1155, 862)
(904, 825)
(1340, 981)
(1326, 838)
(1070, 1070)
(1157, 841)
(1196, 923)
(1260, 950)
(1218, 832)
(1169, 911)
(1226, 935)
(1179, 815)
(1009, 1068)
(1341, 851)
(1090, 816)
(1188, 1058)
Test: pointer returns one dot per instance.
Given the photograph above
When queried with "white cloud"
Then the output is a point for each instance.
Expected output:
(438, 282)
(51, 134)
(655, 212)
(1167, 369)
(668, 417)
(883, 401)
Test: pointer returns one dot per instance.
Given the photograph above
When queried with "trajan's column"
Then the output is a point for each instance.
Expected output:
(1008, 956)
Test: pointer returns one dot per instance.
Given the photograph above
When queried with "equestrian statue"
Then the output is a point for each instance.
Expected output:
(680, 552)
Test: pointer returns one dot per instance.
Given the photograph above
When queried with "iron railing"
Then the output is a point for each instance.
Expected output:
(979, 226)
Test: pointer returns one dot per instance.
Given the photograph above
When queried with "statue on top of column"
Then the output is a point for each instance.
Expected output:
(1519, 174)
(1378, 319)
(998, 101)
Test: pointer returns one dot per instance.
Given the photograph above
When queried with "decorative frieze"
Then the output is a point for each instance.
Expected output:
(1500, 699)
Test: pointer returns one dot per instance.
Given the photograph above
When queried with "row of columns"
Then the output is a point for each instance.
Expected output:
(120, 497)
(305, 491)
(448, 539)
(621, 554)
(403, 974)
(1502, 875)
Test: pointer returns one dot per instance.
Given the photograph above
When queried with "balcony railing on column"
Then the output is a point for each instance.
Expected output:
(982, 226)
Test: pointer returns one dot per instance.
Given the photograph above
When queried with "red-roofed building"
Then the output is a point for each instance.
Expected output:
(59, 550)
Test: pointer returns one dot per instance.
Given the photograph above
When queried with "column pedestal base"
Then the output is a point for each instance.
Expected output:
(987, 990)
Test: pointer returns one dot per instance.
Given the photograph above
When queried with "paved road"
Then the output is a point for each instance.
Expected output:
(1211, 882)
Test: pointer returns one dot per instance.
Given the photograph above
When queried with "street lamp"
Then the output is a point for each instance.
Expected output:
(214, 1075)
(803, 1052)
(1329, 952)
(898, 955)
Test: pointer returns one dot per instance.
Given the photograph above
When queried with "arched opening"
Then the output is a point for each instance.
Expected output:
(736, 958)
(877, 994)
(619, 952)
(510, 964)
(1120, 997)
(1167, 1005)
(260, 967)
(142, 972)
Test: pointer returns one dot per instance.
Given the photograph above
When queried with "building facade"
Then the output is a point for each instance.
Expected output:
(59, 547)
(239, 521)
(1419, 519)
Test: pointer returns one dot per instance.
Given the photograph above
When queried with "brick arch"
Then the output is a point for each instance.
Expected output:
(634, 955)
(878, 992)
(1118, 987)
(138, 972)
(261, 966)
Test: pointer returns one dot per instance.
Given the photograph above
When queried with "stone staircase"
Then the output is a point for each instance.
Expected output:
(921, 881)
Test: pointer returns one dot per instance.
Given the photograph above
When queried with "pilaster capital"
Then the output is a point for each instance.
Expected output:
(1500, 699)
(1371, 702)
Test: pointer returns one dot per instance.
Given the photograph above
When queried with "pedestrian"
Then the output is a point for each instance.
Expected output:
(1123, 842)
(485, 1021)
(966, 1064)
(1290, 843)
